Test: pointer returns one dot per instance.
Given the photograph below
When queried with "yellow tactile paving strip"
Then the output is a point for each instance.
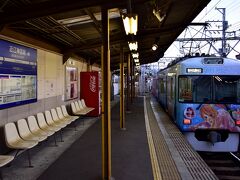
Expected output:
(163, 165)
(197, 168)
(153, 155)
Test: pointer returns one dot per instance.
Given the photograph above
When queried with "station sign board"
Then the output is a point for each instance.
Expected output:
(18, 74)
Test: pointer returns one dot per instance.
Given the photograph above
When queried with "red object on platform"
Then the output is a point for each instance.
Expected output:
(90, 91)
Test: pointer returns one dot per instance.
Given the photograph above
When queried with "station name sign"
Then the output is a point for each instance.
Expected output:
(18, 74)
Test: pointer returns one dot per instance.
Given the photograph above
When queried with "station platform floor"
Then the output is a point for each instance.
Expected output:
(151, 147)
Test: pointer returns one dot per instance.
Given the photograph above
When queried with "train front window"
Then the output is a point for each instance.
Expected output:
(226, 89)
(202, 89)
(209, 89)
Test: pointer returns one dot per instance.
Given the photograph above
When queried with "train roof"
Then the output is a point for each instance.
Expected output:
(200, 60)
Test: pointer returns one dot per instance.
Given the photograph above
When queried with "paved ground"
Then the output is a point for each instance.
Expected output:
(46, 153)
(130, 152)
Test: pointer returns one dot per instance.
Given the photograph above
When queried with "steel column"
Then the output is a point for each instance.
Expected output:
(122, 111)
(106, 95)
(132, 81)
(128, 74)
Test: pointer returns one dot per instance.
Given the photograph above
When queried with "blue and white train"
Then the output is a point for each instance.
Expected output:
(202, 96)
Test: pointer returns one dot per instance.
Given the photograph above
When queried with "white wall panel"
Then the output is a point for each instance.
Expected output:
(51, 65)
(41, 73)
(60, 76)
(50, 84)
(95, 68)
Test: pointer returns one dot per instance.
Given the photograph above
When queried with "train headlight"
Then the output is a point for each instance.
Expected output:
(237, 122)
(187, 121)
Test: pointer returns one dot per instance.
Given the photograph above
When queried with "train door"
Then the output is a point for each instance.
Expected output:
(162, 91)
(171, 81)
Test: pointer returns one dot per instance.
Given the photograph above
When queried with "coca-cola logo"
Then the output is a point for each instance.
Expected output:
(93, 84)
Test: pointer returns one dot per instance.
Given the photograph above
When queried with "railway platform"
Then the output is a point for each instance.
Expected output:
(151, 147)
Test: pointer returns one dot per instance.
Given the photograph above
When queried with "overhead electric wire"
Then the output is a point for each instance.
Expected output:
(210, 10)
(231, 14)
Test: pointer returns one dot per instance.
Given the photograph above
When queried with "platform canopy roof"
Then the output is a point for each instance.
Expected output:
(73, 27)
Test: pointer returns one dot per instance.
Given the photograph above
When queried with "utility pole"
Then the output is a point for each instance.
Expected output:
(207, 37)
(223, 51)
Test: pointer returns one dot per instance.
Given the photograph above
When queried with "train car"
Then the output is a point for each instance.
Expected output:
(154, 90)
(202, 96)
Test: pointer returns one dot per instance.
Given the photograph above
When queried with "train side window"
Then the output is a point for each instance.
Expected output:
(238, 91)
(162, 88)
(185, 89)
(171, 88)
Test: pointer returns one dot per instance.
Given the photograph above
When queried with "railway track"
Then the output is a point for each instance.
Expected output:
(225, 165)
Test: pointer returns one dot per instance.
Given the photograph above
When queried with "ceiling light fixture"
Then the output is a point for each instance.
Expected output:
(130, 22)
(113, 13)
(136, 60)
(135, 55)
(160, 16)
(154, 47)
(133, 46)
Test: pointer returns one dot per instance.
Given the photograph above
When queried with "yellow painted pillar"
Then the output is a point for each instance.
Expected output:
(122, 110)
(128, 87)
(131, 75)
(106, 95)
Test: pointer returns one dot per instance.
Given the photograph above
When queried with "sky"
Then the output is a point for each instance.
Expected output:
(209, 13)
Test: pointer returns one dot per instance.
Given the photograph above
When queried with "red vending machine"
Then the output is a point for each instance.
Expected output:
(90, 91)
